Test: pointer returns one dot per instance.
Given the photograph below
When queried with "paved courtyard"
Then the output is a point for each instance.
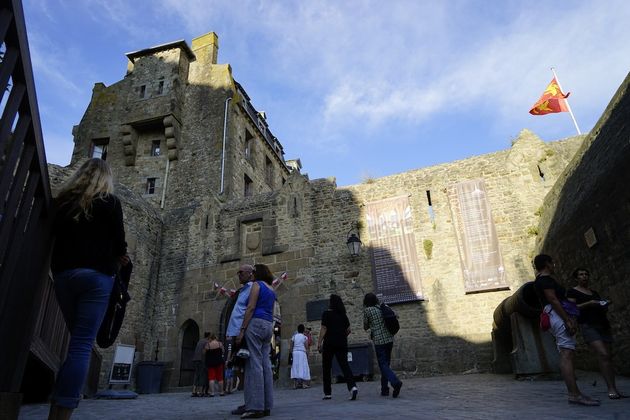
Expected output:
(475, 396)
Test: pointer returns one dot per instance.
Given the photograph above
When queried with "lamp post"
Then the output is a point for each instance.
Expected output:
(354, 242)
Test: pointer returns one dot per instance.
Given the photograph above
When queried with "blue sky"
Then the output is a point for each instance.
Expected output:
(355, 89)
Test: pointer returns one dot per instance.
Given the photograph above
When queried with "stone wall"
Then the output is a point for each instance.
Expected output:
(585, 220)
(197, 236)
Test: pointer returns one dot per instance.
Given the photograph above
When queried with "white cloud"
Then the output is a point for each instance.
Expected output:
(373, 62)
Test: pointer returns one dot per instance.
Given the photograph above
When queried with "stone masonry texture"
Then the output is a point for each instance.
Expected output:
(218, 193)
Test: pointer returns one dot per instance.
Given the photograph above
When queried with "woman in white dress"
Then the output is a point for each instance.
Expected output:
(300, 372)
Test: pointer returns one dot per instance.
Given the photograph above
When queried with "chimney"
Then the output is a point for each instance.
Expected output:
(206, 48)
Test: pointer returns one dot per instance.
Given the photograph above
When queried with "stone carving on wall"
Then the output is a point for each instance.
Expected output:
(393, 250)
(477, 241)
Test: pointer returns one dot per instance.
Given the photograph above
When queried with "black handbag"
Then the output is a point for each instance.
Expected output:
(110, 327)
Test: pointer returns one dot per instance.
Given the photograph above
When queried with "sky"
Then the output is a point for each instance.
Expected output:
(355, 89)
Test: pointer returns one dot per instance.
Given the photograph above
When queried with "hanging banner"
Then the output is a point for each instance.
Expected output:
(393, 250)
(477, 241)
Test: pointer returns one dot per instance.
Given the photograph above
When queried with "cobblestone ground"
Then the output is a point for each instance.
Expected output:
(476, 396)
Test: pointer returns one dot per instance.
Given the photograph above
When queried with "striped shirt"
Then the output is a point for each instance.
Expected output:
(373, 320)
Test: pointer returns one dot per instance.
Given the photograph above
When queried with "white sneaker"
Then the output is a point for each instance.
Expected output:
(353, 393)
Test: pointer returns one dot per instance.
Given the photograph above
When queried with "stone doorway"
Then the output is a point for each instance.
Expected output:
(190, 337)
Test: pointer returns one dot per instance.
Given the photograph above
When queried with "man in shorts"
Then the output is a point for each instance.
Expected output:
(563, 327)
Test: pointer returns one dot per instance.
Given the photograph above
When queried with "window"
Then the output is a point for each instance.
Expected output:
(155, 148)
(268, 171)
(160, 89)
(99, 149)
(143, 91)
(249, 142)
(150, 188)
(249, 186)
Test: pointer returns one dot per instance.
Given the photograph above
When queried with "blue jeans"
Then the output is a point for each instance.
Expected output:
(384, 357)
(83, 295)
(258, 374)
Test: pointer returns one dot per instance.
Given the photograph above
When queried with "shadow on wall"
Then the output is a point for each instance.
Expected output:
(586, 220)
(427, 343)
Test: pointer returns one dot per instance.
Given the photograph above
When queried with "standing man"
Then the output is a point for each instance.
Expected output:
(245, 278)
(383, 343)
(200, 380)
(563, 325)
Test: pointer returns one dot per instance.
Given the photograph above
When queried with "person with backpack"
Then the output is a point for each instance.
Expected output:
(382, 335)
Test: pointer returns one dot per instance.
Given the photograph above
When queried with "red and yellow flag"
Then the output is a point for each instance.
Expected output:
(552, 100)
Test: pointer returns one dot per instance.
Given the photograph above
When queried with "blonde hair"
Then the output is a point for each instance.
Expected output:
(91, 181)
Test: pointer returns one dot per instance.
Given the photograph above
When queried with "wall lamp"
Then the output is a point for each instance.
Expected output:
(354, 241)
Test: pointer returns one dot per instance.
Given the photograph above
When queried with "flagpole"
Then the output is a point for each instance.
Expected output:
(566, 101)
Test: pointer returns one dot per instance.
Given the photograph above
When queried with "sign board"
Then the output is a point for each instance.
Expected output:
(315, 309)
(121, 366)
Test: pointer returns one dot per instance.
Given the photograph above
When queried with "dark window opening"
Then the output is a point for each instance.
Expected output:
(249, 187)
(143, 91)
(155, 148)
(249, 141)
(150, 188)
(268, 171)
(160, 89)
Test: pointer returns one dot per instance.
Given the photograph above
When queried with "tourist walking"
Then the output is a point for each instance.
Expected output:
(89, 247)
(383, 343)
(333, 342)
(300, 371)
(595, 327)
(257, 330)
(214, 362)
(200, 378)
(562, 316)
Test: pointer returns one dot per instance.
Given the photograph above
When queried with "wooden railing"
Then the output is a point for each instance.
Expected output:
(25, 204)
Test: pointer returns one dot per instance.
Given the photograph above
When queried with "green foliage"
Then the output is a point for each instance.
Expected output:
(539, 211)
(427, 244)
(368, 179)
(532, 231)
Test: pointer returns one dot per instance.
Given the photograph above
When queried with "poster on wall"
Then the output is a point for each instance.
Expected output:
(393, 250)
(477, 241)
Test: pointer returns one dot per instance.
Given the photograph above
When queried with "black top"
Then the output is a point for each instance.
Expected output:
(336, 325)
(214, 357)
(95, 243)
(591, 314)
(547, 282)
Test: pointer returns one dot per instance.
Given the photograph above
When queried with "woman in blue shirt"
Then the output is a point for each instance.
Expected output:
(257, 330)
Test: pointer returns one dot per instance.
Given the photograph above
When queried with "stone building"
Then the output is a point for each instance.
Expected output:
(206, 187)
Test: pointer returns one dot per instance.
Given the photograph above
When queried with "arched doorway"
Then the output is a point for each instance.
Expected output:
(190, 337)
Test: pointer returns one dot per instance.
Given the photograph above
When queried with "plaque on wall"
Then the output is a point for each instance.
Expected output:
(315, 309)
(477, 241)
(393, 250)
(590, 238)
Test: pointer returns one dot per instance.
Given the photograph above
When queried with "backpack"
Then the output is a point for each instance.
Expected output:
(390, 319)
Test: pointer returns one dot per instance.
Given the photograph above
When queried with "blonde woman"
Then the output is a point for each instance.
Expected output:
(89, 246)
